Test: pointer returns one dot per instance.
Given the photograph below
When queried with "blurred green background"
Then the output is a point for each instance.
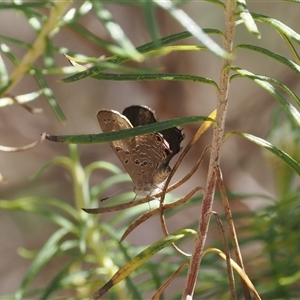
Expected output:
(244, 167)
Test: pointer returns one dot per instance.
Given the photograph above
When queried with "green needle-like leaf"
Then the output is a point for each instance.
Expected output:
(263, 82)
(138, 260)
(116, 32)
(247, 17)
(94, 71)
(45, 254)
(279, 153)
(50, 97)
(148, 8)
(279, 26)
(127, 133)
(149, 77)
(192, 27)
(293, 66)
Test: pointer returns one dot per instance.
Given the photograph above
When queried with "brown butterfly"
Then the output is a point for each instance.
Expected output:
(145, 157)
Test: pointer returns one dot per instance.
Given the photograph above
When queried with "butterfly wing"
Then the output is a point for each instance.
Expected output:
(111, 120)
(139, 115)
(142, 156)
(143, 115)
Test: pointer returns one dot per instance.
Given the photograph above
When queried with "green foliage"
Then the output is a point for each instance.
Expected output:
(89, 247)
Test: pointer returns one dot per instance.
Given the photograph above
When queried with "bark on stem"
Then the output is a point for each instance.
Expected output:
(222, 98)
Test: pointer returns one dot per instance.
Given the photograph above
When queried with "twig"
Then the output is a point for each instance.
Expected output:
(233, 236)
(207, 203)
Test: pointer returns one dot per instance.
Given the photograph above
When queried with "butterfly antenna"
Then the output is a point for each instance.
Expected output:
(116, 193)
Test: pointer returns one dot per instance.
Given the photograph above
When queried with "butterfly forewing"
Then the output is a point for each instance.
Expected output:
(139, 115)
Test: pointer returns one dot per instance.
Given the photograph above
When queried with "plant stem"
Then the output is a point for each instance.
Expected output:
(218, 132)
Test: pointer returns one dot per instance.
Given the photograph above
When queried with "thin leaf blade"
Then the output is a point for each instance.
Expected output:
(292, 163)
